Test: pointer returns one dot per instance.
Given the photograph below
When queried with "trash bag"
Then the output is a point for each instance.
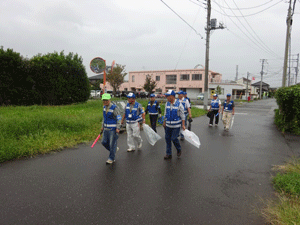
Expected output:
(151, 135)
(191, 137)
(232, 120)
(209, 114)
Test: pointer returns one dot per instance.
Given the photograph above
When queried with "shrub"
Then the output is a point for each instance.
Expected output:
(59, 79)
(287, 118)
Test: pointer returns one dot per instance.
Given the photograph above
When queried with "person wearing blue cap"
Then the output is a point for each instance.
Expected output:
(187, 109)
(174, 120)
(153, 108)
(215, 107)
(227, 111)
(134, 114)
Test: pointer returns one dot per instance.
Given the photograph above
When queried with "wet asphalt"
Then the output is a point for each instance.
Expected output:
(223, 182)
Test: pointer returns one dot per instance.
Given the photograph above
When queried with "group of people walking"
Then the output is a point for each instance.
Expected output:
(174, 120)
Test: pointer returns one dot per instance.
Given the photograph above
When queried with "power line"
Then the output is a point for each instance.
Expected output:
(248, 14)
(255, 32)
(244, 32)
(183, 19)
(253, 7)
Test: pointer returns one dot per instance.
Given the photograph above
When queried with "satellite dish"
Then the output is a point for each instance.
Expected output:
(97, 65)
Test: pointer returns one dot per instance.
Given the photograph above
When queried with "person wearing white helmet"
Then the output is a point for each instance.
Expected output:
(134, 114)
(153, 108)
(215, 107)
(227, 111)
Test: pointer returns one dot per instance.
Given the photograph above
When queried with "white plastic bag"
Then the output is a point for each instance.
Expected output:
(151, 135)
(232, 120)
(191, 137)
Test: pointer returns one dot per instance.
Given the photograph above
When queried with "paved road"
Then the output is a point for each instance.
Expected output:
(220, 183)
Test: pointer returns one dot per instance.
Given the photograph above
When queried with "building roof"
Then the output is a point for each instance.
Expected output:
(96, 77)
(258, 84)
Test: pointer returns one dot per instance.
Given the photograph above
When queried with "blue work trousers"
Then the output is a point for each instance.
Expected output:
(171, 134)
(109, 141)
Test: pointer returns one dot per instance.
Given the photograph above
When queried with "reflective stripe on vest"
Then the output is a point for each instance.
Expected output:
(152, 109)
(215, 104)
(108, 118)
(134, 116)
(228, 107)
(172, 118)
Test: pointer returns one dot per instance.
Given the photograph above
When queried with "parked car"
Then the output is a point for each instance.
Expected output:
(118, 94)
(124, 93)
(159, 95)
(93, 93)
(200, 96)
(143, 94)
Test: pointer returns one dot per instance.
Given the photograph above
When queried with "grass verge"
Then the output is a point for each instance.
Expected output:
(285, 209)
(30, 130)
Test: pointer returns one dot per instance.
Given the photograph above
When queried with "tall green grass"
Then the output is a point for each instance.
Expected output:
(31, 130)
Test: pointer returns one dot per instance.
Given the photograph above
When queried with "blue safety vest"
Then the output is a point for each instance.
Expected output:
(172, 119)
(153, 109)
(215, 104)
(133, 116)
(183, 102)
(109, 121)
(228, 106)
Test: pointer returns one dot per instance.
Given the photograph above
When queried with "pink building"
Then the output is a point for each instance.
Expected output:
(190, 80)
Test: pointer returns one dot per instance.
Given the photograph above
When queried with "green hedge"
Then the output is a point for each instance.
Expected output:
(287, 118)
(51, 79)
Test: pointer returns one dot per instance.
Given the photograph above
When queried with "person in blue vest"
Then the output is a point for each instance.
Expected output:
(187, 108)
(186, 97)
(134, 114)
(110, 127)
(153, 108)
(227, 111)
(215, 107)
(174, 121)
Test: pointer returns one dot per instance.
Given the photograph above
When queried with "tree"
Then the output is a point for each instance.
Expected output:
(96, 85)
(116, 77)
(150, 84)
(218, 90)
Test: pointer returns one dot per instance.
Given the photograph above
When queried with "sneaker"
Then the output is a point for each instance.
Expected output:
(178, 154)
(216, 125)
(140, 146)
(210, 125)
(130, 150)
(168, 157)
(109, 161)
(118, 149)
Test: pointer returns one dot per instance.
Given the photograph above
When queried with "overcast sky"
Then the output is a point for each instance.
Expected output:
(147, 35)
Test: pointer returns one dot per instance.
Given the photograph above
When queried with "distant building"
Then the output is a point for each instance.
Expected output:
(189, 80)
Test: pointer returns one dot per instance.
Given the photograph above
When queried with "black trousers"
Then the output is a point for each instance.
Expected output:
(214, 112)
(153, 120)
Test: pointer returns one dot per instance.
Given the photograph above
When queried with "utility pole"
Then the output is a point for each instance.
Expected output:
(207, 54)
(261, 80)
(247, 85)
(288, 33)
(211, 25)
(237, 72)
(296, 68)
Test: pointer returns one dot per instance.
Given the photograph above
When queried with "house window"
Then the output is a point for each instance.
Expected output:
(133, 78)
(197, 77)
(184, 77)
(171, 79)
(157, 78)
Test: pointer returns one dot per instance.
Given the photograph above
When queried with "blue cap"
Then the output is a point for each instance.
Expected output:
(180, 92)
(228, 95)
(215, 95)
(184, 93)
(152, 95)
(131, 95)
(170, 92)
